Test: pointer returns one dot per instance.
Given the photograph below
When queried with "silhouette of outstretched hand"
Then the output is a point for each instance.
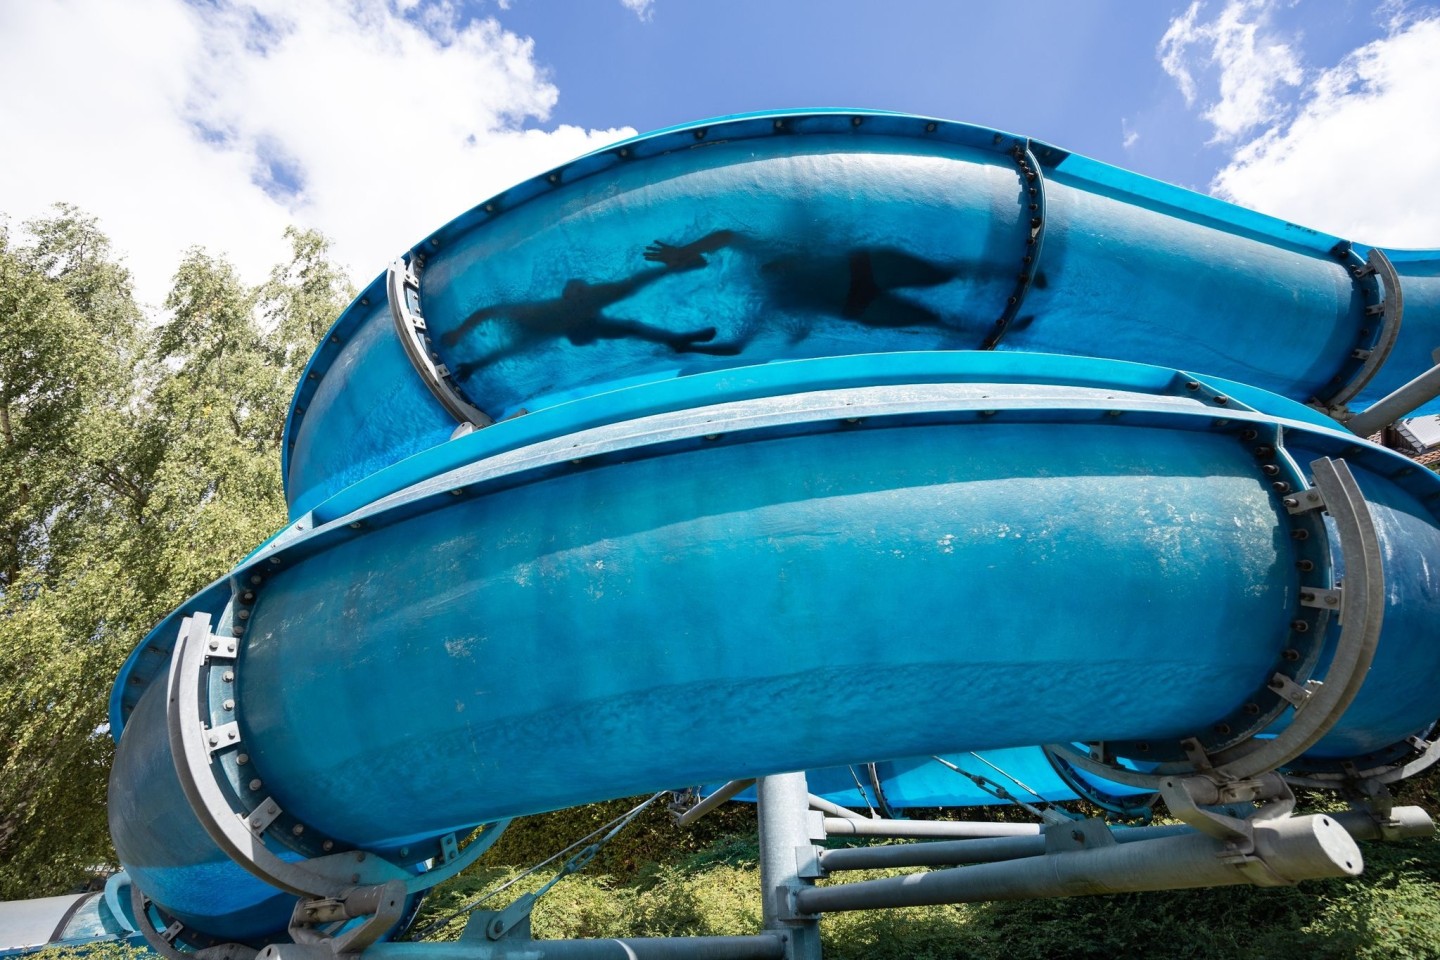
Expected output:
(676, 258)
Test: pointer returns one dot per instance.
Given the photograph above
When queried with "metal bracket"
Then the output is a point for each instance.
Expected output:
(402, 284)
(1364, 601)
(1090, 834)
(1032, 183)
(1298, 694)
(1192, 799)
(223, 737)
(323, 922)
(1326, 598)
(1390, 312)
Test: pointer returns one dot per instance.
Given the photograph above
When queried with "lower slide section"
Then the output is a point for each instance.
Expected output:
(815, 564)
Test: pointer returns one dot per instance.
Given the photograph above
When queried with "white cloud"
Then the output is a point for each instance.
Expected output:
(644, 9)
(178, 124)
(1240, 55)
(1361, 156)
(1129, 136)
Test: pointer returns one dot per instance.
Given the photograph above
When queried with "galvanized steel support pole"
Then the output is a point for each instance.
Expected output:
(788, 860)
(1388, 409)
(1403, 823)
(925, 829)
(1286, 851)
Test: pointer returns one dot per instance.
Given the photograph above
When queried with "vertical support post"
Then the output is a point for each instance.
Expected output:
(787, 860)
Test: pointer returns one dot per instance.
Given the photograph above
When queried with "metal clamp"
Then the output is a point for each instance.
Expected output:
(324, 922)
(1032, 200)
(240, 834)
(402, 285)
(1388, 313)
(1355, 648)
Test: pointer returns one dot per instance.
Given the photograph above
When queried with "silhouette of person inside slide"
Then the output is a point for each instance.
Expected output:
(858, 284)
(577, 316)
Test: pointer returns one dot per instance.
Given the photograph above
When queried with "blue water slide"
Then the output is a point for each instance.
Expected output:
(833, 442)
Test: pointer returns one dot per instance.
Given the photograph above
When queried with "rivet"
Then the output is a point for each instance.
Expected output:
(1280, 486)
(254, 821)
(238, 629)
(214, 644)
(779, 124)
(328, 845)
(364, 302)
(553, 178)
(404, 851)
(336, 339)
(229, 648)
(298, 829)
(489, 208)
(1305, 565)
(243, 759)
(354, 878)
(624, 151)
(1223, 729)
(360, 856)
(1192, 385)
(457, 491)
(272, 810)
(214, 741)
(1113, 413)
(988, 413)
(1252, 709)
(311, 375)
(996, 138)
(1264, 451)
(228, 705)
(274, 559)
(1249, 434)
(700, 134)
(1143, 747)
(1270, 470)
(356, 525)
(929, 128)
(228, 676)
(1299, 534)
(1300, 626)
(248, 596)
(1292, 502)
(856, 121)
(1222, 400)
(243, 614)
(1312, 496)
(255, 578)
(1331, 601)
(233, 735)
(712, 436)
(434, 241)
(1290, 654)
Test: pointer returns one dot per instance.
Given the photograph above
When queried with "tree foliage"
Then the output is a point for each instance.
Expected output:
(138, 461)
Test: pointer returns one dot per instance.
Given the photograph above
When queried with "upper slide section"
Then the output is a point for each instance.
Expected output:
(789, 236)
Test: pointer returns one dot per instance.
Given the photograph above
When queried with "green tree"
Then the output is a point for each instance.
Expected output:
(138, 463)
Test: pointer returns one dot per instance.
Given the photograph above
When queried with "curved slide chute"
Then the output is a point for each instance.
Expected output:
(864, 444)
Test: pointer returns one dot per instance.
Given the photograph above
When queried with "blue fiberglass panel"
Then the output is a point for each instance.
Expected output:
(1125, 281)
(166, 851)
(746, 251)
(1392, 705)
(369, 410)
(637, 620)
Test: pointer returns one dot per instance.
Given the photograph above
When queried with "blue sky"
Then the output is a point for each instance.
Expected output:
(219, 122)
